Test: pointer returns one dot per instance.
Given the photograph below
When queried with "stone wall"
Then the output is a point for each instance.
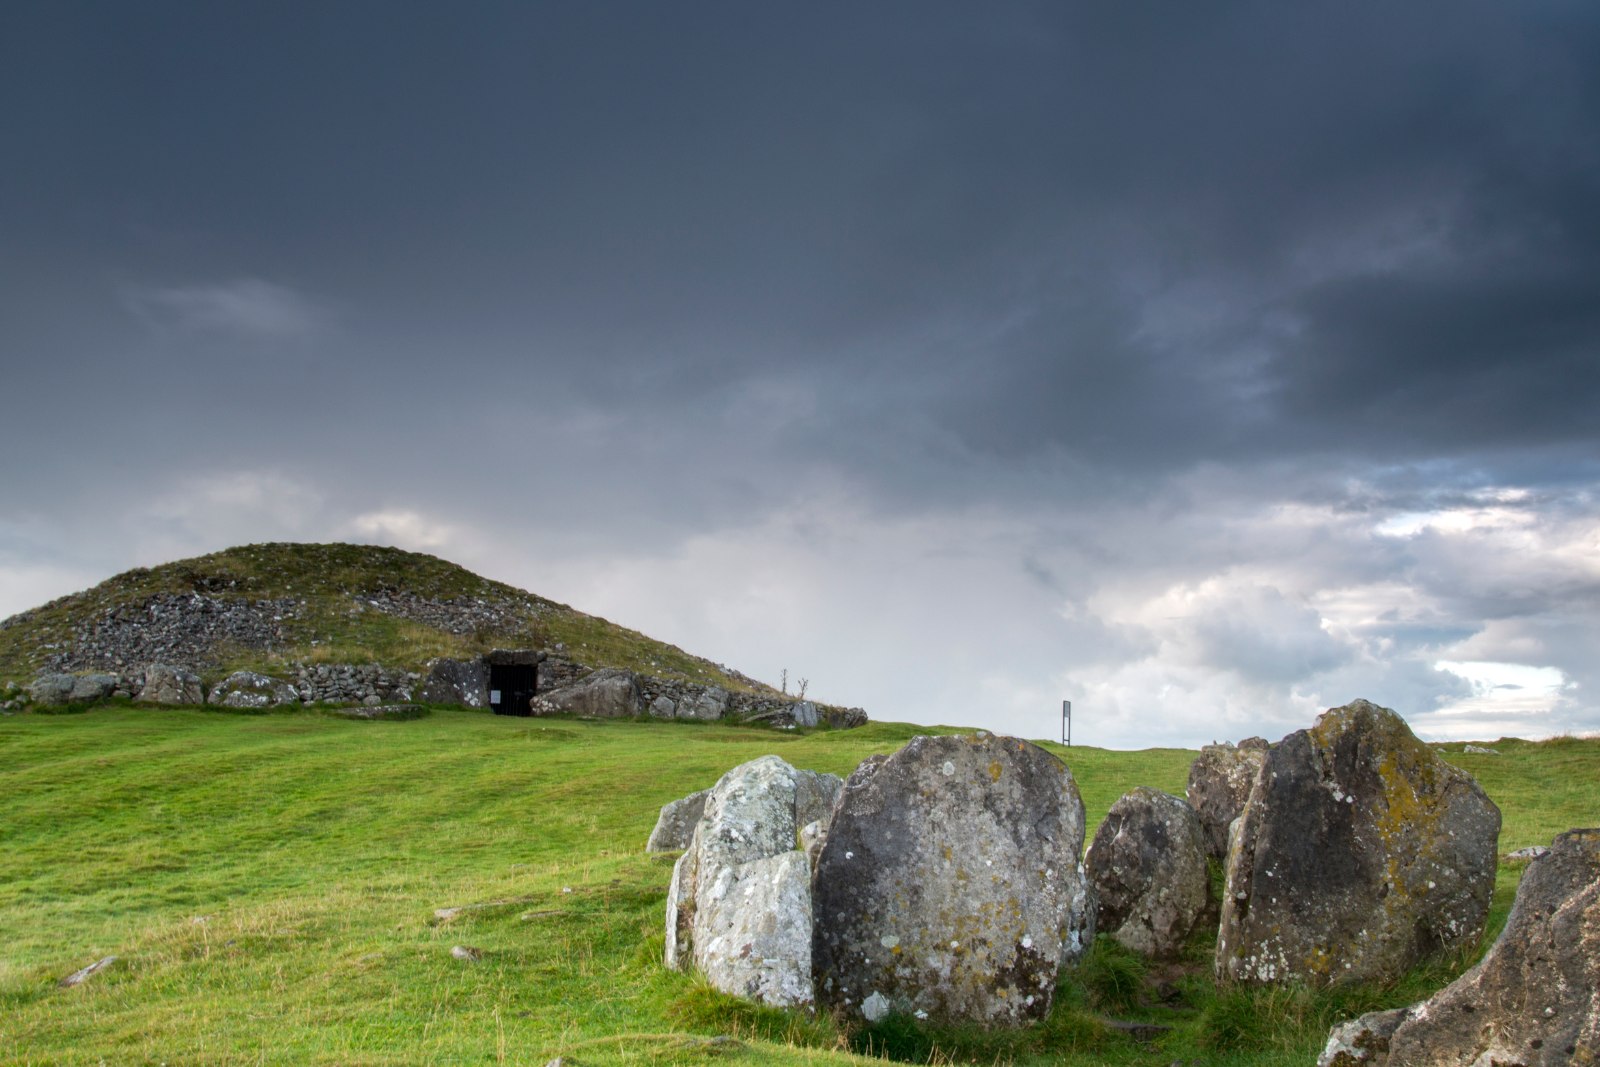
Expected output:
(344, 683)
(371, 683)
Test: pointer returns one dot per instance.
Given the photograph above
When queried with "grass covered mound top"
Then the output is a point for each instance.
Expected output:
(267, 606)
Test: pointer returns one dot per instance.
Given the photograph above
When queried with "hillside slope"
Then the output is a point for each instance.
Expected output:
(268, 885)
(264, 607)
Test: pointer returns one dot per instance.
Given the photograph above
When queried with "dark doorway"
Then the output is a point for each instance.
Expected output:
(511, 686)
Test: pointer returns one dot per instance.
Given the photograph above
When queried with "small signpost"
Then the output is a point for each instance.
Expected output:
(1066, 723)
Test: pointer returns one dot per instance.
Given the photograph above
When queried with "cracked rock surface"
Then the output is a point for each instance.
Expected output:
(949, 886)
(1359, 854)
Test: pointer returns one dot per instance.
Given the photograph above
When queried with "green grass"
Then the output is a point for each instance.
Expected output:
(268, 884)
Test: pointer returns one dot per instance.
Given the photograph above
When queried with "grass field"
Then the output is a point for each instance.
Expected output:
(268, 884)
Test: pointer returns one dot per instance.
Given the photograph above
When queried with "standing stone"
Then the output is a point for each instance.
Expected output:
(608, 693)
(675, 825)
(1359, 854)
(945, 886)
(171, 685)
(740, 902)
(1148, 869)
(1535, 998)
(753, 932)
(1219, 783)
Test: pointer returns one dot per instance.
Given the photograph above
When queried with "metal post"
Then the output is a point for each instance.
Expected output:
(1066, 723)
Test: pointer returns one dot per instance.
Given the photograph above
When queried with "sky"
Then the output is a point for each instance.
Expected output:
(1206, 365)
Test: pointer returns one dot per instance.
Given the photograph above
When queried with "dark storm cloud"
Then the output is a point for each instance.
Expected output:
(1095, 313)
(994, 200)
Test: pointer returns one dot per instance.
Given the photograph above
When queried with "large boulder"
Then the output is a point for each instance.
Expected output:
(1360, 852)
(1219, 783)
(740, 902)
(947, 883)
(165, 684)
(54, 689)
(675, 825)
(815, 794)
(608, 693)
(706, 704)
(87, 688)
(51, 689)
(247, 689)
(464, 682)
(842, 718)
(1147, 866)
(1534, 999)
(804, 713)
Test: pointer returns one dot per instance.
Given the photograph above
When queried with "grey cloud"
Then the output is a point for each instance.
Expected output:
(1264, 635)
(1168, 297)
(245, 307)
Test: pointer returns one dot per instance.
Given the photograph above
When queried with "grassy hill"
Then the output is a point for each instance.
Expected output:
(335, 600)
(269, 886)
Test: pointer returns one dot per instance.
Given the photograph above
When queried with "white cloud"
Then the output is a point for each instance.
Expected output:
(1166, 625)
(243, 307)
(402, 528)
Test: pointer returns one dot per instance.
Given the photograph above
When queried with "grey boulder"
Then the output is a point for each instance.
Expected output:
(51, 689)
(1535, 998)
(707, 705)
(1360, 852)
(164, 684)
(87, 688)
(804, 713)
(608, 693)
(464, 682)
(1219, 783)
(55, 689)
(675, 825)
(739, 905)
(842, 718)
(947, 885)
(1147, 865)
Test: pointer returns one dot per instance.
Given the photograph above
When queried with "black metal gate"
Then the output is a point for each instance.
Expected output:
(511, 687)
